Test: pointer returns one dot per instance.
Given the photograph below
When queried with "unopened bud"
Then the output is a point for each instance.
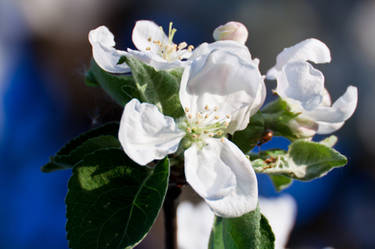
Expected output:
(235, 31)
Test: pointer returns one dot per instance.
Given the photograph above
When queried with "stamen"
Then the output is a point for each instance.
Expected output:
(182, 45)
(190, 48)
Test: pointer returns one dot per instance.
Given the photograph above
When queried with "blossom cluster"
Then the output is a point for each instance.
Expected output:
(220, 90)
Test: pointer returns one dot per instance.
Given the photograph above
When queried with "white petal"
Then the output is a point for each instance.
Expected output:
(281, 214)
(230, 46)
(194, 225)
(224, 80)
(301, 84)
(146, 134)
(145, 32)
(155, 60)
(331, 119)
(223, 176)
(308, 50)
(104, 53)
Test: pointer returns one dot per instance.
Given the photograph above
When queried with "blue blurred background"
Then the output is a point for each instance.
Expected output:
(43, 102)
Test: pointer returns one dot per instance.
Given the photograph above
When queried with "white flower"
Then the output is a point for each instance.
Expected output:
(219, 92)
(195, 221)
(302, 86)
(234, 31)
(155, 48)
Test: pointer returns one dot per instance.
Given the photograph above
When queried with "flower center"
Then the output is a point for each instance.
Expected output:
(205, 124)
(168, 50)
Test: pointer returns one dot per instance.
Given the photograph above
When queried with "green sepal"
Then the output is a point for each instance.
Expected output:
(112, 202)
(277, 116)
(102, 137)
(121, 88)
(249, 137)
(251, 230)
(160, 88)
(305, 160)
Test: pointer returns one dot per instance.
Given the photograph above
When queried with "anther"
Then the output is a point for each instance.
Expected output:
(227, 116)
(206, 116)
(222, 139)
(187, 109)
(190, 48)
(217, 117)
(148, 48)
(182, 45)
(226, 124)
(216, 108)
(149, 39)
(219, 133)
(206, 108)
(157, 42)
(188, 130)
(190, 116)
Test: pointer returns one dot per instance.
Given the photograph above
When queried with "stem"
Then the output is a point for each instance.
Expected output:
(170, 216)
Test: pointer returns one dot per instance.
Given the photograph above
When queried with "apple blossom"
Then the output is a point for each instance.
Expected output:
(155, 48)
(219, 92)
(302, 86)
(234, 31)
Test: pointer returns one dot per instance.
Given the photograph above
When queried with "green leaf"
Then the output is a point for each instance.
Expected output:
(157, 87)
(249, 137)
(113, 202)
(216, 237)
(281, 182)
(248, 231)
(305, 160)
(277, 115)
(88, 142)
(121, 88)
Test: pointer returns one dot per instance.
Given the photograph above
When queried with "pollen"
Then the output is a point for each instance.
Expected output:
(190, 48)
(182, 45)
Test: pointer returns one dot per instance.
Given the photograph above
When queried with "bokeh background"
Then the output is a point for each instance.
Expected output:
(44, 53)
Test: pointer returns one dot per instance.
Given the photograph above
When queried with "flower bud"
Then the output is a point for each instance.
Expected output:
(235, 31)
